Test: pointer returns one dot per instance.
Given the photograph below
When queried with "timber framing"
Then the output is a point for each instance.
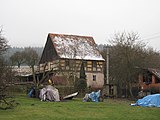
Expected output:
(63, 55)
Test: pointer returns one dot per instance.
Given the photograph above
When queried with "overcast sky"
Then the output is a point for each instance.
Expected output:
(28, 22)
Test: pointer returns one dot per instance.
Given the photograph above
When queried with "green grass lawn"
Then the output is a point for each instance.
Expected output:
(110, 109)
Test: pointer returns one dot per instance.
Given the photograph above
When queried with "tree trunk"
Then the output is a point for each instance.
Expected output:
(34, 76)
(119, 88)
(130, 89)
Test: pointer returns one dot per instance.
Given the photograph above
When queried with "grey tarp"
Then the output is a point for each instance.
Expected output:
(49, 93)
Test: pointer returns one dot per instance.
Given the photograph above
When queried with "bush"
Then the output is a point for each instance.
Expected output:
(80, 85)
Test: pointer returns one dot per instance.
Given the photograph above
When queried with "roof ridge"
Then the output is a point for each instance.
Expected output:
(56, 34)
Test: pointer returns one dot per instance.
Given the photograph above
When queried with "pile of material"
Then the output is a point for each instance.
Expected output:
(93, 96)
(149, 101)
(49, 93)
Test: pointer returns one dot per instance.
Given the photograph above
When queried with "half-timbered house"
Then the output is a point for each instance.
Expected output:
(63, 55)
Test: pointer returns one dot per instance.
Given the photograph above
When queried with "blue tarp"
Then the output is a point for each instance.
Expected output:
(93, 96)
(149, 101)
(30, 94)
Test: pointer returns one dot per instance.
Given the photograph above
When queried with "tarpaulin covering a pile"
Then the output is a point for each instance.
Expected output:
(93, 96)
(49, 93)
(149, 101)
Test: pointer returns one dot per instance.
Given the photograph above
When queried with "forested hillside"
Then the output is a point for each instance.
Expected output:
(39, 51)
(10, 51)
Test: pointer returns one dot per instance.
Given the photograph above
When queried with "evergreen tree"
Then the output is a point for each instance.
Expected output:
(81, 84)
(82, 72)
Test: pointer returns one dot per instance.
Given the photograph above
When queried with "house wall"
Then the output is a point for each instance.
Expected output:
(146, 86)
(98, 82)
(94, 70)
(49, 52)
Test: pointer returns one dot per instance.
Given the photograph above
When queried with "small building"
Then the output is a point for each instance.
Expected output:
(63, 55)
(23, 74)
(149, 80)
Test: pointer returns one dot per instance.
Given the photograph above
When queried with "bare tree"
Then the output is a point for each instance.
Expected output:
(6, 75)
(152, 58)
(3, 48)
(125, 55)
(17, 58)
(3, 43)
(31, 59)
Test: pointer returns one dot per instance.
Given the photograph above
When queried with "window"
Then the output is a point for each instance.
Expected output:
(94, 77)
(157, 80)
(94, 64)
(67, 62)
(85, 65)
(72, 64)
(147, 78)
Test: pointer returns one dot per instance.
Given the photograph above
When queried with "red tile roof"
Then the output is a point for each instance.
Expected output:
(75, 47)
